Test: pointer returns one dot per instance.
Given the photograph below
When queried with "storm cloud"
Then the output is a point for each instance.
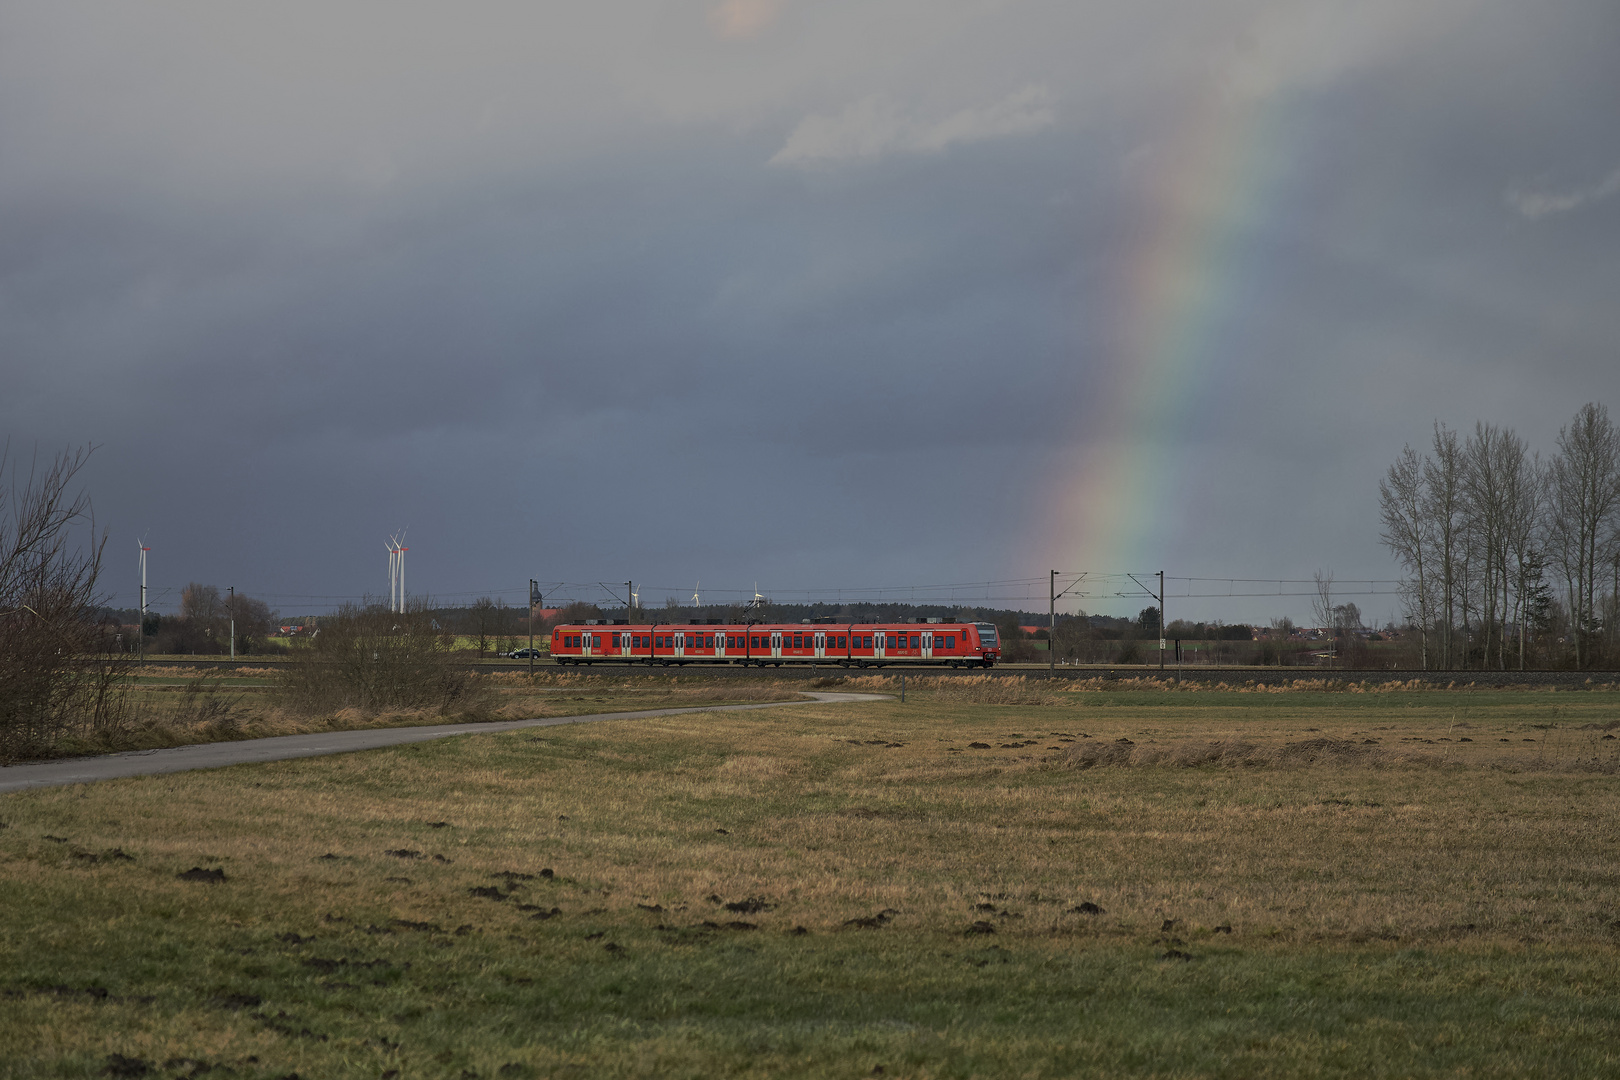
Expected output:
(827, 296)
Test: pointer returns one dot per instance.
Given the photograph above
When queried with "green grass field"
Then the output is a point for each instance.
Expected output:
(1137, 882)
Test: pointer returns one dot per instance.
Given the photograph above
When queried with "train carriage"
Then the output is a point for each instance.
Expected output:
(857, 645)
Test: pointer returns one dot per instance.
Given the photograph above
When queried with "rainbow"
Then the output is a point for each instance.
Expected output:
(1185, 276)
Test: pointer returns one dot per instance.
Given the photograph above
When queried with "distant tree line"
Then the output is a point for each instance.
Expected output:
(1510, 560)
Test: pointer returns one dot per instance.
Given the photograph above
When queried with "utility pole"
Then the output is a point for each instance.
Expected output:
(1160, 598)
(141, 636)
(230, 607)
(534, 602)
(1161, 620)
(1051, 633)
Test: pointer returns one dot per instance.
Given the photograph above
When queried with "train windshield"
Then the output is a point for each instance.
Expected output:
(987, 635)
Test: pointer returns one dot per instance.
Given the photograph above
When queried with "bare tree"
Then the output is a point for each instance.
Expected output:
(253, 618)
(201, 604)
(1584, 498)
(1442, 481)
(1521, 518)
(1494, 472)
(50, 559)
(1322, 603)
(1409, 536)
(483, 621)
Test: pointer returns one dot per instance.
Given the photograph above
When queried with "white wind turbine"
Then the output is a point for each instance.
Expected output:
(396, 574)
(695, 588)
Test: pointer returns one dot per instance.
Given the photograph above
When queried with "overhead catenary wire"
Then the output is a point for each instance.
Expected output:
(1000, 592)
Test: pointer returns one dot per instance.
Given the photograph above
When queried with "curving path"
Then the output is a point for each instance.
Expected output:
(283, 747)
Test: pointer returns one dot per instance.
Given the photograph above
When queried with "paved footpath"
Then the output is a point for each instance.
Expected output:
(282, 747)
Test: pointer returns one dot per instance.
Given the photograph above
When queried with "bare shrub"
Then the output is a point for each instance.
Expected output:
(204, 701)
(372, 658)
(994, 690)
(59, 675)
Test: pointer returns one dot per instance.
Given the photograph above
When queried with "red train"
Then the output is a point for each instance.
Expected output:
(947, 644)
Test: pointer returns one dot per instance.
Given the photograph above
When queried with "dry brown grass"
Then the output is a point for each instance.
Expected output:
(175, 706)
(1282, 833)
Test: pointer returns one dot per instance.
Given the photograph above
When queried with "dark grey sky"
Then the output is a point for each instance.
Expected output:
(825, 296)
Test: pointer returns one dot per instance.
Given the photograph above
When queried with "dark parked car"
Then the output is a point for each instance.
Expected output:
(525, 654)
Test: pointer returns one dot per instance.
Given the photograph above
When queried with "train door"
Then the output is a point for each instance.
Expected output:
(720, 644)
(680, 644)
(880, 645)
(821, 643)
(928, 644)
(624, 644)
(776, 644)
(585, 644)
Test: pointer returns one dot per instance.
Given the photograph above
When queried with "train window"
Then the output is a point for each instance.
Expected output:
(615, 641)
(658, 641)
(708, 641)
(753, 642)
(916, 642)
(731, 642)
(798, 641)
(866, 640)
(842, 643)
